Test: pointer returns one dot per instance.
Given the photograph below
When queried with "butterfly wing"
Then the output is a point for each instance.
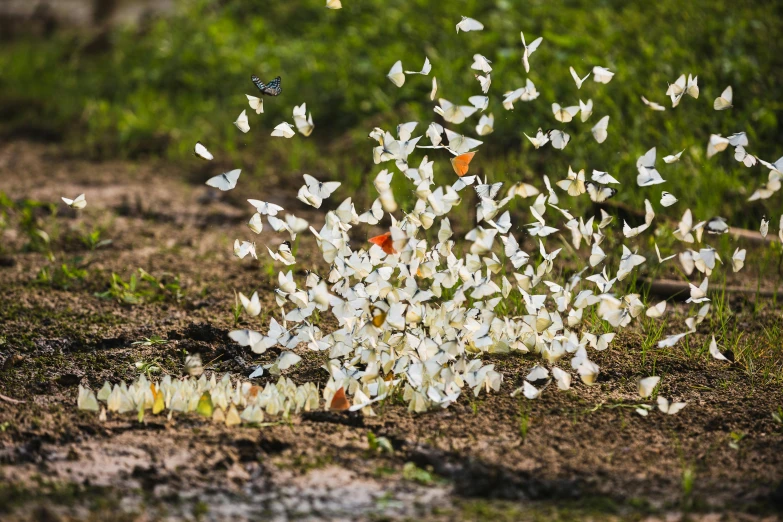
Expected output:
(272, 88)
(462, 162)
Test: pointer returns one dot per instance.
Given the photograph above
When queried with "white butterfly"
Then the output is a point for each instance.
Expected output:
(245, 248)
(284, 130)
(656, 311)
(599, 130)
(479, 102)
(334, 4)
(597, 255)
(484, 81)
(667, 199)
(480, 63)
(459, 144)
(741, 155)
(252, 305)
(454, 113)
(434, 88)
(671, 340)
(249, 338)
(283, 254)
(647, 385)
(628, 262)
(529, 49)
(374, 215)
(764, 228)
(257, 104)
(579, 81)
(225, 181)
(242, 123)
(303, 122)
(564, 114)
(469, 24)
(255, 223)
(87, 400)
(588, 371)
(654, 106)
(599, 193)
(562, 378)
(679, 88)
(202, 152)
(716, 354)
(602, 74)
(738, 259)
(485, 125)
(558, 138)
(574, 184)
(662, 259)
(673, 158)
(724, 101)
(79, 202)
(670, 408)
(264, 208)
(585, 109)
(425, 70)
(716, 144)
(603, 178)
(539, 140)
(698, 293)
(320, 189)
(396, 75)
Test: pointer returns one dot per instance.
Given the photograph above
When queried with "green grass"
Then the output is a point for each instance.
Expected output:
(158, 89)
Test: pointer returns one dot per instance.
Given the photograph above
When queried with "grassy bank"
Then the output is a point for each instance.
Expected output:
(159, 88)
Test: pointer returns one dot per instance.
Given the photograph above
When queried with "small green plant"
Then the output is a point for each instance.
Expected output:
(379, 444)
(148, 367)
(687, 480)
(410, 471)
(236, 310)
(524, 422)
(132, 292)
(151, 341)
(121, 291)
(735, 438)
(62, 276)
(93, 241)
(777, 416)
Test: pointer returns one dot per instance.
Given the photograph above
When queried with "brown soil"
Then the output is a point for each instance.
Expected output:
(584, 453)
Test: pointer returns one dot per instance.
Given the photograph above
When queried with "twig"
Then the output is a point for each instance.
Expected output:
(10, 400)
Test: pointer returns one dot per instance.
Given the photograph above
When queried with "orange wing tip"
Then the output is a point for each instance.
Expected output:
(385, 242)
(339, 401)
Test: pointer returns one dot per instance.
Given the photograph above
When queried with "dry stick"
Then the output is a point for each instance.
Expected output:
(669, 288)
(9, 399)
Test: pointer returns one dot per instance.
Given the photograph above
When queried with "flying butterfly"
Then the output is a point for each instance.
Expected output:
(462, 162)
(270, 89)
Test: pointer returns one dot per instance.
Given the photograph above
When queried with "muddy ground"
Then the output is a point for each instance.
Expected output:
(582, 454)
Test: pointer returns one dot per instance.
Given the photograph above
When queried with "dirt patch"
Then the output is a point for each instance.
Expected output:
(572, 455)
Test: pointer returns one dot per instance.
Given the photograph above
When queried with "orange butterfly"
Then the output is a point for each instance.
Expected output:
(339, 401)
(462, 162)
(385, 242)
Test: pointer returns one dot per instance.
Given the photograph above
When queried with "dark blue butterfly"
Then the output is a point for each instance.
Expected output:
(270, 89)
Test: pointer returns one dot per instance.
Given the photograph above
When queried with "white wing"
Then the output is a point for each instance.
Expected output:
(257, 104)
(202, 152)
(242, 123)
(599, 131)
(284, 130)
(724, 101)
(225, 181)
(396, 75)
